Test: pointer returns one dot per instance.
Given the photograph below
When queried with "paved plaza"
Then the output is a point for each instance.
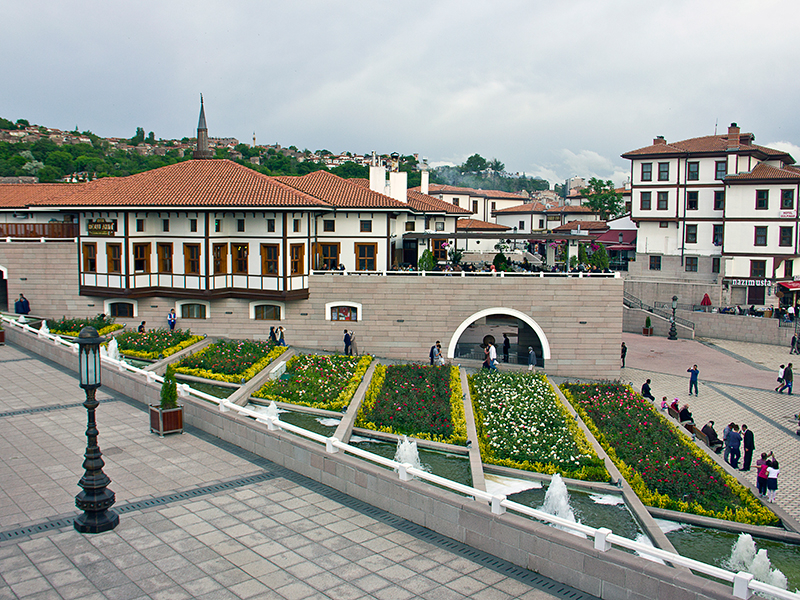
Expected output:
(200, 518)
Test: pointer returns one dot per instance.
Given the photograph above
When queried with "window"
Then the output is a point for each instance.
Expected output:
(655, 263)
(123, 310)
(719, 200)
(193, 225)
(296, 252)
(439, 226)
(762, 199)
(139, 225)
(164, 257)
(647, 171)
(758, 269)
(715, 264)
(296, 225)
(239, 256)
(787, 199)
(663, 171)
(267, 312)
(410, 225)
(455, 201)
(691, 200)
(691, 234)
(269, 259)
(521, 226)
(720, 169)
(475, 206)
(693, 173)
(191, 259)
(164, 224)
(691, 264)
(663, 200)
(365, 226)
(141, 258)
(344, 313)
(217, 225)
(365, 257)
(541, 223)
(90, 257)
(240, 225)
(193, 311)
(786, 236)
(271, 226)
(494, 206)
(716, 237)
(326, 256)
(439, 249)
(114, 258)
(663, 224)
(788, 268)
(220, 256)
(644, 200)
(329, 225)
(761, 236)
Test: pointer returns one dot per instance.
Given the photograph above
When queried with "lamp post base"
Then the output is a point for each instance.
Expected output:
(96, 522)
(97, 516)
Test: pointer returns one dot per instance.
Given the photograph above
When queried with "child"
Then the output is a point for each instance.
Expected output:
(664, 403)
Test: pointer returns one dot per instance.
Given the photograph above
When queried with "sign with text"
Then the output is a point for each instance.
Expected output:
(749, 282)
(786, 214)
(101, 227)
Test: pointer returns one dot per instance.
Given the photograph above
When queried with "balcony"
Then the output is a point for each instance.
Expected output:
(39, 230)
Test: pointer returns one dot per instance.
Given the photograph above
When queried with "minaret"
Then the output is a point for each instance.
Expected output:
(202, 150)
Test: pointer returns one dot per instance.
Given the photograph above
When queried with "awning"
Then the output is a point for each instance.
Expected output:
(621, 247)
(790, 285)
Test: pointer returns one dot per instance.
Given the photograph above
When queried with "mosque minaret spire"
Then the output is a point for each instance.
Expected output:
(202, 150)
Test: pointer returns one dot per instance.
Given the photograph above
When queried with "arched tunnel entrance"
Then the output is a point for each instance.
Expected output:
(491, 324)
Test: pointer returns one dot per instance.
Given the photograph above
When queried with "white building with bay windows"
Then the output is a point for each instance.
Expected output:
(716, 211)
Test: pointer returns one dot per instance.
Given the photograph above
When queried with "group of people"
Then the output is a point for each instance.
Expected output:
(22, 306)
(785, 379)
(350, 345)
(277, 335)
(437, 359)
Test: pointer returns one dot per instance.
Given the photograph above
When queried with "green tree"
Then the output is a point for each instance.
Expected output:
(602, 198)
(138, 138)
(474, 164)
(350, 170)
(600, 258)
(169, 389)
(583, 256)
(500, 261)
(151, 138)
(48, 174)
(61, 160)
(496, 166)
(427, 262)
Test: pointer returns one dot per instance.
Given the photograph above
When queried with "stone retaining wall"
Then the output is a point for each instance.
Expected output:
(543, 549)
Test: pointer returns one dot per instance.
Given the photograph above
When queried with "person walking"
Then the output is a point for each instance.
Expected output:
(761, 475)
(281, 336)
(749, 445)
(773, 470)
(623, 353)
(506, 347)
(432, 353)
(734, 442)
(646, 392)
(793, 344)
(172, 318)
(695, 372)
(492, 357)
(788, 380)
(531, 358)
(780, 376)
(725, 433)
(353, 344)
(272, 337)
(347, 341)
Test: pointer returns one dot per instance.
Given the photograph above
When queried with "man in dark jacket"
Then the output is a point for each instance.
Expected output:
(749, 446)
(347, 340)
(646, 393)
(788, 379)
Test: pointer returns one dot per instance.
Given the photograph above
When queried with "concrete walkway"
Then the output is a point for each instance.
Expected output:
(200, 518)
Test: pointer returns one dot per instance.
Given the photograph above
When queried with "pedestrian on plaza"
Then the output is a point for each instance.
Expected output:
(281, 336)
(788, 380)
(725, 433)
(432, 353)
(646, 393)
(761, 476)
(22, 306)
(790, 312)
(773, 470)
(793, 344)
(734, 442)
(749, 446)
(142, 327)
(273, 339)
(353, 344)
(695, 372)
(780, 376)
(623, 353)
(347, 341)
(506, 347)
(492, 356)
(172, 318)
(531, 358)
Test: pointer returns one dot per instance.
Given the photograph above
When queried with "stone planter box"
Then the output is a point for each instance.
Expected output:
(166, 420)
(647, 331)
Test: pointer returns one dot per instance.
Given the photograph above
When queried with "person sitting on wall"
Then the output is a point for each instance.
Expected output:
(713, 439)
(675, 406)
(646, 393)
(685, 415)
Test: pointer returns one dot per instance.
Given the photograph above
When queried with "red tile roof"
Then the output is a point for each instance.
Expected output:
(763, 172)
(22, 195)
(570, 209)
(340, 192)
(529, 207)
(424, 203)
(476, 225)
(713, 144)
(437, 188)
(584, 225)
(195, 183)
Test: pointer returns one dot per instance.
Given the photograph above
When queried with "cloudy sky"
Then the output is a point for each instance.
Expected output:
(553, 89)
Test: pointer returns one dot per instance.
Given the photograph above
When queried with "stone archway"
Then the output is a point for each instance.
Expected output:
(510, 312)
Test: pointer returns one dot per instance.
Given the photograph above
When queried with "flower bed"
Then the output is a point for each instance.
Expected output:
(522, 424)
(72, 327)
(425, 402)
(232, 361)
(326, 382)
(663, 467)
(155, 343)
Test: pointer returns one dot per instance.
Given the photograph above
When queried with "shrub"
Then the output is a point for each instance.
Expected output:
(169, 389)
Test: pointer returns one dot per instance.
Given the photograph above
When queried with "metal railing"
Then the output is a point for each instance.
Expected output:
(603, 538)
(501, 274)
(632, 301)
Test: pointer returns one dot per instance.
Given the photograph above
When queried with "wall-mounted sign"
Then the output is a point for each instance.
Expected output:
(786, 214)
(101, 227)
(749, 282)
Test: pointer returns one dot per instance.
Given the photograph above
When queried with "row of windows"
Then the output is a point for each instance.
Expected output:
(692, 171)
(785, 235)
(692, 200)
(329, 225)
(691, 264)
(261, 312)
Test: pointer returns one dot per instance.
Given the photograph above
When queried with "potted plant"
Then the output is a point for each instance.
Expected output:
(2, 334)
(648, 327)
(167, 417)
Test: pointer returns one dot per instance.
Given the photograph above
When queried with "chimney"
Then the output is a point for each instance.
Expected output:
(733, 137)
(398, 185)
(659, 141)
(377, 178)
(424, 186)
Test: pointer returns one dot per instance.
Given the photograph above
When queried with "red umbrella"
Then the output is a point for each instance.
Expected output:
(706, 301)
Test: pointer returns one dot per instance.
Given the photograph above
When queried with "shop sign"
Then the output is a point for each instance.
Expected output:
(786, 214)
(749, 282)
(101, 227)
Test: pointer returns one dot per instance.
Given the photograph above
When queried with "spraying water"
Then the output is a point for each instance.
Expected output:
(407, 453)
(745, 557)
(44, 328)
(556, 503)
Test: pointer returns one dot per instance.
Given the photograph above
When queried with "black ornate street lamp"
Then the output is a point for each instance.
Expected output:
(96, 499)
(673, 332)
